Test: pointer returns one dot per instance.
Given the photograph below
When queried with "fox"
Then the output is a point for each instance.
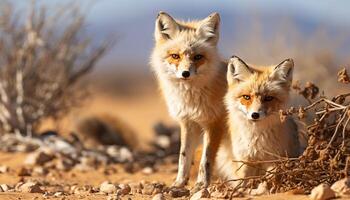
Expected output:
(192, 80)
(255, 95)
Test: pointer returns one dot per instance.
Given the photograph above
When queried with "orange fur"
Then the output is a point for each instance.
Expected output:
(256, 132)
(193, 84)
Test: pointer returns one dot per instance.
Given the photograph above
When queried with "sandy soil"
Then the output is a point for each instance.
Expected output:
(93, 178)
(140, 117)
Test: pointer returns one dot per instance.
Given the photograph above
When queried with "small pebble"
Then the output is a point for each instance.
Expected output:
(342, 187)
(4, 169)
(23, 172)
(5, 187)
(31, 187)
(147, 170)
(159, 196)
(108, 188)
(179, 192)
(322, 192)
(203, 193)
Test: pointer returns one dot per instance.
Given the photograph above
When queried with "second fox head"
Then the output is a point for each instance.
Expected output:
(258, 93)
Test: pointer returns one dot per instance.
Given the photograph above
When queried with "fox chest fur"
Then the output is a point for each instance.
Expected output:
(186, 101)
(254, 141)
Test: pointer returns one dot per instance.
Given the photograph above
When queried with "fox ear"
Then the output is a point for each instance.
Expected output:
(284, 71)
(166, 27)
(209, 28)
(238, 70)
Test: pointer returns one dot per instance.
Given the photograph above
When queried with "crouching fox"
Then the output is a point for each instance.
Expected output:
(256, 133)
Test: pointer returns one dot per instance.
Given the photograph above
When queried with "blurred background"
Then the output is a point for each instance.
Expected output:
(316, 34)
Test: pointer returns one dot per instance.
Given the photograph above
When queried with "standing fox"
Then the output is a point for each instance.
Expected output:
(253, 100)
(192, 79)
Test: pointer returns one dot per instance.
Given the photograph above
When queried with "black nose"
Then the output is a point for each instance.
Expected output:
(255, 115)
(186, 74)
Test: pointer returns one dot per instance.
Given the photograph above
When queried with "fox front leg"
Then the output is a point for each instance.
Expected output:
(211, 141)
(190, 133)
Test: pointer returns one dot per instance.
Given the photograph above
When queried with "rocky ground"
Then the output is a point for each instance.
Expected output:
(51, 166)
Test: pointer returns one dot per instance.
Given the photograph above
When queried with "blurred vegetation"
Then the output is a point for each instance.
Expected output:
(43, 54)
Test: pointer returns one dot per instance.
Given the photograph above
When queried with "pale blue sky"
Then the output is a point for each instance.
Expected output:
(133, 20)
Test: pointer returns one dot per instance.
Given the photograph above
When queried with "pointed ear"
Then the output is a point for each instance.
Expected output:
(238, 70)
(209, 28)
(166, 27)
(283, 71)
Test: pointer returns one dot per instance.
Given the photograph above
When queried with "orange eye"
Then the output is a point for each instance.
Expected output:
(198, 57)
(268, 98)
(175, 56)
(246, 97)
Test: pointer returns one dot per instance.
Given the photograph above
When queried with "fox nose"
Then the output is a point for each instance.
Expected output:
(255, 115)
(186, 74)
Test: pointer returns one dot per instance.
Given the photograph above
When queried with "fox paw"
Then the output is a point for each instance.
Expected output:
(199, 186)
(180, 183)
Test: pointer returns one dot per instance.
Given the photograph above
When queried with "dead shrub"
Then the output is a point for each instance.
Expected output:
(42, 56)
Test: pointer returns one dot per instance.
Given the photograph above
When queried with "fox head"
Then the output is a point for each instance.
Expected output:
(258, 93)
(185, 50)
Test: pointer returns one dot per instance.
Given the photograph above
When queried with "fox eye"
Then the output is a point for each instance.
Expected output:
(198, 57)
(175, 56)
(268, 98)
(246, 97)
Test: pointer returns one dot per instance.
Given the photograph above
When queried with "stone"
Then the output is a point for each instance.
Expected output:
(38, 158)
(125, 155)
(322, 192)
(31, 187)
(40, 170)
(113, 197)
(83, 168)
(88, 161)
(158, 196)
(136, 188)
(163, 141)
(58, 194)
(4, 169)
(179, 192)
(24, 148)
(203, 193)
(23, 172)
(5, 187)
(64, 164)
(220, 194)
(147, 170)
(108, 188)
(261, 190)
(124, 189)
(148, 189)
(81, 190)
(342, 187)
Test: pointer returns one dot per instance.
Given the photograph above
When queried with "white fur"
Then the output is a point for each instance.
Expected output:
(191, 99)
(256, 141)
(197, 101)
